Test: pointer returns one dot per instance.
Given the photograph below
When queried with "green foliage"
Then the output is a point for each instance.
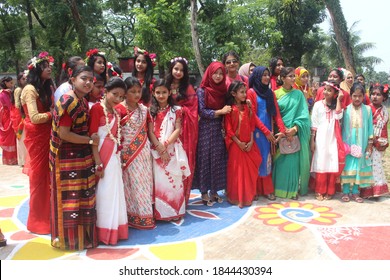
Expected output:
(297, 21)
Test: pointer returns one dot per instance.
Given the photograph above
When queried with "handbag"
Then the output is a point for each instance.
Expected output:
(356, 151)
(287, 147)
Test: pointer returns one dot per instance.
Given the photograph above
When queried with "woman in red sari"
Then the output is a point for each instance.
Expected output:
(184, 95)
(7, 134)
(36, 100)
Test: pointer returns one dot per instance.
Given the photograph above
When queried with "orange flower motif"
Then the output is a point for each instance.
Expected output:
(295, 216)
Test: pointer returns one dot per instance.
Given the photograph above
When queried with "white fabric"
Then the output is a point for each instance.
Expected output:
(21, 149)
(168, 180)
(61, 90)
(325, 157)
(110, 196)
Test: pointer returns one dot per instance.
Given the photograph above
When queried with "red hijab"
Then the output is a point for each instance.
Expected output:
(214, 93)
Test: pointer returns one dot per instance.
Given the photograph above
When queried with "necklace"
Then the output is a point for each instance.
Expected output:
(130, 113)
(116, 140)
(160, 109)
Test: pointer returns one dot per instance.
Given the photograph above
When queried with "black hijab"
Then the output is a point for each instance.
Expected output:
(262, 90)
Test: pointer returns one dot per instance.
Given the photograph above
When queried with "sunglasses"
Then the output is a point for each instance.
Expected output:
(231, 61)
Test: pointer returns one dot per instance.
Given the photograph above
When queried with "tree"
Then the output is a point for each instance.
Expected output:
(12, 29)
(341, 32)
(298, 21)
(195, 36)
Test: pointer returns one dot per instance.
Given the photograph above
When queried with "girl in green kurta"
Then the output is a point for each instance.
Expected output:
(291, 171)
(358, 135)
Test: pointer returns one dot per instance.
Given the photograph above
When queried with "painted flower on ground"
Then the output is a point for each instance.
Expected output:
(295, 216)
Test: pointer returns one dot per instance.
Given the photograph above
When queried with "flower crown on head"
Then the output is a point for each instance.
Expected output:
(178, 59)
(152, 56)
(113, 72)
(326, 83)
(93, 52)
(43, 56)
(385, 87)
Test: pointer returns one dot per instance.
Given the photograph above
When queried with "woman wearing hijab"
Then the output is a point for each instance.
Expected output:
(267, 110)
(302, 83)
(246, 69)
(211, 158)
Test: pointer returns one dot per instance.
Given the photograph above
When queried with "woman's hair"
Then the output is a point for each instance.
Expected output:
(18, 78)
(339, 72)
(115, 82)
(91, 63)
(273, 63)
(356, 86)
(359, 75)
(147, 79)
(114, 71)
(184, 82)
(283, 74)
(132, 81)
(4, 80)
(78, 69)
(155, 106)
(44, 88)
(231, 53)
(71, 63)
(234, 87)
(382, 89)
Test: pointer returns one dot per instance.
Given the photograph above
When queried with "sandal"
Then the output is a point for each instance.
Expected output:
(328, 197)
(319, 197)
(357, 198)
(345, 198)
(216, 198)
(207, 201)
(270, 196)
(3, 241)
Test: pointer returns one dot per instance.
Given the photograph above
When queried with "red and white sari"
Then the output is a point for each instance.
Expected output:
(137, 169)
(110, 198)
(168, 178)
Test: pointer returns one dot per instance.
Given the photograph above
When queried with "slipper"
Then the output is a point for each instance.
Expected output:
(357, 198)
(328, 197)
(345, 198)
(319, 197)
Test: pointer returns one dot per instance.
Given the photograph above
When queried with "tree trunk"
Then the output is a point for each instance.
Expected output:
(30, 28)
(195, 36)
(78, 23)
(342, 35)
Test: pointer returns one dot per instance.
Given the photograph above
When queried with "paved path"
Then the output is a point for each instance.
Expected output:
(284, 230)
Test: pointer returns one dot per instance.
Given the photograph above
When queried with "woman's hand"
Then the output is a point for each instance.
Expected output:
(270, 137)
(160, 148)
(165, 157)
(226, 110)
(279, 136)
(248, 146)
(95, 138)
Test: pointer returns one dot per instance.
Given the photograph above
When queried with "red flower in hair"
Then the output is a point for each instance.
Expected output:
(92, 52)
(64, 66)
(30, 67)
(385, 88)
(43, 54)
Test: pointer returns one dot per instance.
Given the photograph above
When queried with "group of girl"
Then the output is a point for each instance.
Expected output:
(128, 152)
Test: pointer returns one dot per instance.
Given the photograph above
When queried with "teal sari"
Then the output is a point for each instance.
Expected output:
(291, 172)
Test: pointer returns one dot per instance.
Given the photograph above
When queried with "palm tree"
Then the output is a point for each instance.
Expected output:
(341, 33)
(360, 61)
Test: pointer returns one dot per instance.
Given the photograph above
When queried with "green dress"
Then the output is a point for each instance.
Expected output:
(357, 128)
(291, 172)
